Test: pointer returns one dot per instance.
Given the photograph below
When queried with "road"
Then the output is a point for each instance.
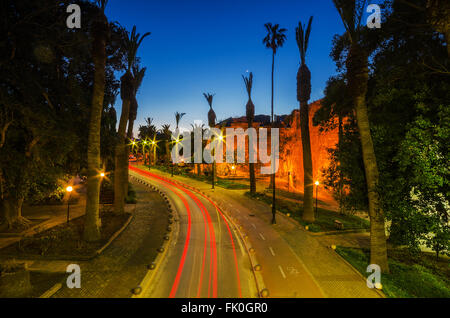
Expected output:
(293, 263)
(208, 258)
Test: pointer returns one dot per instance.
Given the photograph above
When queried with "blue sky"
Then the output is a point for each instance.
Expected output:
(205, 46)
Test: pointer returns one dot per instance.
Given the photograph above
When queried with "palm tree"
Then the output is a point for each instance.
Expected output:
(274, 39)
(138, 75)
(178, 117)
(199, 129)
(147, 132)
(250, 114)
(100, 34)
(131, 44)
(303, 95)
(167, 138)
(211, 123)
(357, 79)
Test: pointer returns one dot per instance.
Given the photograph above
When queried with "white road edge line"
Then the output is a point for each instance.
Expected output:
(282, 273)
(271, 251)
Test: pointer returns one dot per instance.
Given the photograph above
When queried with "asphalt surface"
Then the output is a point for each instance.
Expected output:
(293, 263)
(207, 259)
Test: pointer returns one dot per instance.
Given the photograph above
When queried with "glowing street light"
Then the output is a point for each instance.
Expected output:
(102, 174)
(69, 190)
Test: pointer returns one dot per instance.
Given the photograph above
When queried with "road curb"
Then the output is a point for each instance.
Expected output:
(53, 290)
(160, 257)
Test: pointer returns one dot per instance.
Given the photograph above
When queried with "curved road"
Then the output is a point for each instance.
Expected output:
(208, 258)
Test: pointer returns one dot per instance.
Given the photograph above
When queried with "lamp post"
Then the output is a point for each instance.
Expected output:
(317, 187)
(69, 190)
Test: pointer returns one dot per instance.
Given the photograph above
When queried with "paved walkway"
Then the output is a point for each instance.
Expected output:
(334, 276)
(123, 265)
(46, 217)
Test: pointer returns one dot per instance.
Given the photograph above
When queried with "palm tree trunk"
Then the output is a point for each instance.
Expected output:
(120, 177)
(167, 152)
(272, 154)
(358, 75)
(125, 163)
(308, 192)
(251, 167)
(93, 222)
(378, 248)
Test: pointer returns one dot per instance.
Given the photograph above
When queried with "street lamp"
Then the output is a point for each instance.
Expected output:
(317, 187)
(69, 190)
(102, 174)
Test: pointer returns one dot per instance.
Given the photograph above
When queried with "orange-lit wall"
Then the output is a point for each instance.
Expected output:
(291, 152)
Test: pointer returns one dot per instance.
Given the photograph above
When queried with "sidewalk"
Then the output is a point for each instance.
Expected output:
(334, 276)
(123, 265)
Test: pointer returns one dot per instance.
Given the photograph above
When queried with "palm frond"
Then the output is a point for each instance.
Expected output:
(308, 32)
(132, 42)
(248, 83)
(209, 98)
(275, 37)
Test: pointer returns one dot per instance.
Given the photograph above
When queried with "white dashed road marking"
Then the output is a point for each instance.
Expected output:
(282, 273)
(271, 251)
(262, 237)
(254, 225)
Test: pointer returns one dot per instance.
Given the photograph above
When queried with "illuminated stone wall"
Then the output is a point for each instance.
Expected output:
(291, 151)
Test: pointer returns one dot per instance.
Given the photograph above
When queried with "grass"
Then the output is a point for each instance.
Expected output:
(410, 275)
(324, 221)
(223, 183)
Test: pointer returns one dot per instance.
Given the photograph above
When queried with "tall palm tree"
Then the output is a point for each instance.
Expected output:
(250, 114)
(167, 138)
(131, 44)
(197, 129)
(274, 39)
(212, 123)
(357, 78)
(100, 34)
(178, 117)
(138, 76)
(303, 95)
